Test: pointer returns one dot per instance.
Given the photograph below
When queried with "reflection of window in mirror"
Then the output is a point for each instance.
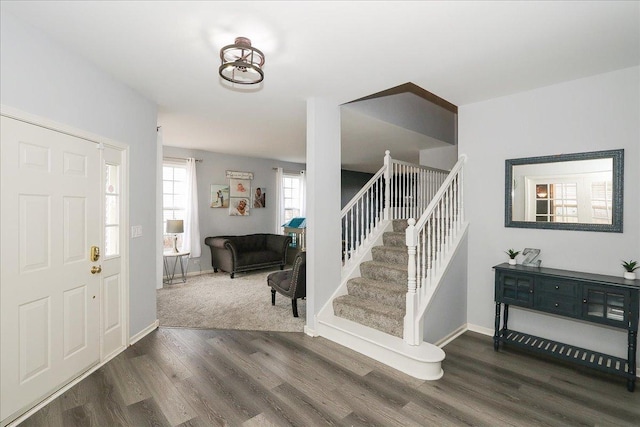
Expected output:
(584, 198)
(601, 202)
(557, 202)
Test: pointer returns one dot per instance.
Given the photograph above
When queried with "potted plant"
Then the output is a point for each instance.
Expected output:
(630, 267)
(512, 256)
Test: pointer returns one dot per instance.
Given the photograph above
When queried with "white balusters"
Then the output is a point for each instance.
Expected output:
(428, 242)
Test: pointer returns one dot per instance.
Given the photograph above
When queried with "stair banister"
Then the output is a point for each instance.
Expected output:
(427, 242)
(363, 213)
(387, 188)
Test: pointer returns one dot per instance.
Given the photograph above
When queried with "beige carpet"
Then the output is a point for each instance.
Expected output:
(215, 301)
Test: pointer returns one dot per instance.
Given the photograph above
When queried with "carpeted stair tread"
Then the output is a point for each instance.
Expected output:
(382, 317)
(384, 272)
(383, 292)
(391, 238)
(400, 225)
(390, 254)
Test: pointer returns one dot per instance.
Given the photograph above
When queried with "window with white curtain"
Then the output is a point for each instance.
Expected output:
(289, 196)
(292, 195)
(174, 198)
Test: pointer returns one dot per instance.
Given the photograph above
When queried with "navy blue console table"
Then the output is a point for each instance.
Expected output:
(594, 298)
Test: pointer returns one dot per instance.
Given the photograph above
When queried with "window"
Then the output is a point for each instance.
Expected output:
(601, 202)
(112, 210)
(557, 202)
(293, 195)
(174, 187)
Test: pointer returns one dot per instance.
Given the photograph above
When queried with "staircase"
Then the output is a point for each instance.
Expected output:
(377, 299)
(400, 233)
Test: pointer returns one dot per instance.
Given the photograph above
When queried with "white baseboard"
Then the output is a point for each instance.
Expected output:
(452, 336)
(137, 337)
(309, 331)
(480, 329)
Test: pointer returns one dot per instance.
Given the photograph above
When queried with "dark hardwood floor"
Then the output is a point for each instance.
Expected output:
(185, 377)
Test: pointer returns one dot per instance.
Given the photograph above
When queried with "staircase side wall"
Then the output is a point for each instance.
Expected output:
(447, 311)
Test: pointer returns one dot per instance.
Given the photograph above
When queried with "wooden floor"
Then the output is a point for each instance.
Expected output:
(206, 378)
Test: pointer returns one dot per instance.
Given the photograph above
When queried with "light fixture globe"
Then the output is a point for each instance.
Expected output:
(241, 63)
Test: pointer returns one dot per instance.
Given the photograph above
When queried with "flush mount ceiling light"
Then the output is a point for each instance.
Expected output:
(241, 63)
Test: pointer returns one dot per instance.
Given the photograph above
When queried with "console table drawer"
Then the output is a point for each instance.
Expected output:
(557, 287)
(557, 304)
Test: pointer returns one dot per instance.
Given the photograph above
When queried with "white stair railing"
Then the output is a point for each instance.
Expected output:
(429, 243)
(399, 190)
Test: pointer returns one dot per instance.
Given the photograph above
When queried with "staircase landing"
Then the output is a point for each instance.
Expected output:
(422, 361)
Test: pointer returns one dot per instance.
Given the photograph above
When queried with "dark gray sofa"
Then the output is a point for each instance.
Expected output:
(234, 254)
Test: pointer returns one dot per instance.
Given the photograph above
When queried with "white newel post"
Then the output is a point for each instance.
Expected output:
(387, 185)
(410, 331)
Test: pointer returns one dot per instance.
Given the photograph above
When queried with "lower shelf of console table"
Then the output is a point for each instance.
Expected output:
(604, 300)
(582, 356)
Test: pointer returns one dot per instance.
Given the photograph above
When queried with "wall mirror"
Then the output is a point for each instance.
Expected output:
(580, 191)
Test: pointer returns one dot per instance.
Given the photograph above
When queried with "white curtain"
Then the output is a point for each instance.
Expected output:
(303, 195)
(159, 220)
(191, 238)
(279, 200)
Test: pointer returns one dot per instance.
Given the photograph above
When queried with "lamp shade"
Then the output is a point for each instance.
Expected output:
(175, 226)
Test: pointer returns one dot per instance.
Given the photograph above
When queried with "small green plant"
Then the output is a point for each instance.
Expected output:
(512, 254)
(630, 266)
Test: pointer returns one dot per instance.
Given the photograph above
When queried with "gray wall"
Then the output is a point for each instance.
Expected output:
(350, 183)
(216, 221)
(42, 78)
(448, 309)
(595, 113)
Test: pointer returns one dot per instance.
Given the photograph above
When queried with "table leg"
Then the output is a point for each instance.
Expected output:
(505, 317)
(496, 335)
(183, 267)
(167, 279)
(633, 341)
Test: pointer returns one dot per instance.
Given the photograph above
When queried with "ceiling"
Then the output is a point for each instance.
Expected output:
(461, 51)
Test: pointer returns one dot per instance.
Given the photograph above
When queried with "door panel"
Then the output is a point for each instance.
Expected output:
(50, 302)
(35, 351)
(34, 235)
(75, 323)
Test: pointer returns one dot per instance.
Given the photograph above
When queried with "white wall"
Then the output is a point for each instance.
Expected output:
(216, 221)
(323, 205)
(42, 78)
(591, 114)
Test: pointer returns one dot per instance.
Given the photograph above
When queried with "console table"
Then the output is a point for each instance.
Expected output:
(594, 298)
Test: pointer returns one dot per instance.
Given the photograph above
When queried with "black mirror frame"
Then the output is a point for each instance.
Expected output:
(618, 192)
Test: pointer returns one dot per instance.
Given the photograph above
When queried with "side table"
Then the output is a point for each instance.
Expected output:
(181, 258)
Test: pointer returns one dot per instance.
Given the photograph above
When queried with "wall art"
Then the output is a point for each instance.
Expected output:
(219, 196)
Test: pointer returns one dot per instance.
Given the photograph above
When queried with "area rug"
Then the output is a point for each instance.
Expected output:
(215, 301)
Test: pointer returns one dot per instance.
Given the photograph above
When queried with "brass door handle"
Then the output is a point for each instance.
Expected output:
(96, 269)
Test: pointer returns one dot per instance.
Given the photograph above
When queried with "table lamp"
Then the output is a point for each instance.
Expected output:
(175, 226)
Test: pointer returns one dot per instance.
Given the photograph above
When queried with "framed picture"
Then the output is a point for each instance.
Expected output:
(219, 196)
(259, 198)
(239, 206)
(240, 187)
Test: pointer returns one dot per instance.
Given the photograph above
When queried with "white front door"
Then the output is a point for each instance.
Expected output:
(50, 216)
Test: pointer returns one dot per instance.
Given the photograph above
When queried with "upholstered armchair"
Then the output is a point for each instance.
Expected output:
(290, 283)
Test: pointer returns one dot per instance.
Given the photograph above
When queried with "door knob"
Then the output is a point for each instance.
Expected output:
(96, 269)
